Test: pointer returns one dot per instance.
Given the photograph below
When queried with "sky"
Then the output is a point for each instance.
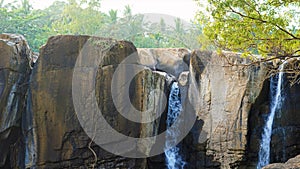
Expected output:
(184, 9)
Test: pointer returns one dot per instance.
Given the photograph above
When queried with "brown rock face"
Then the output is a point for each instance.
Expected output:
(15, 68)
(61, 140)
(231, 105)
(173, 61)
(291, 163)
(224, 97)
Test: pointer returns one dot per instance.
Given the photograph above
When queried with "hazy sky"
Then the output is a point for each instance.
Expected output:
(184, 9)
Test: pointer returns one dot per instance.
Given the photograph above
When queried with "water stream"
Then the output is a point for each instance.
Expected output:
(276, 99)
(174, 159)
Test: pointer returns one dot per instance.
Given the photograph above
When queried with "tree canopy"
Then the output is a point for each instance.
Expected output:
(84, 17)
(268, 28)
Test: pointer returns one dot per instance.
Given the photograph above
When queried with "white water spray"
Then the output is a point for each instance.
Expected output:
(173, 158)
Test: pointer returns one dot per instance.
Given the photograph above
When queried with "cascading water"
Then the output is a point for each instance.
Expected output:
(29, 133)
(173, 158)
(276, 98)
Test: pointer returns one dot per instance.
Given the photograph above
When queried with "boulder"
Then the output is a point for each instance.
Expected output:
(173, 61)
(62, 142)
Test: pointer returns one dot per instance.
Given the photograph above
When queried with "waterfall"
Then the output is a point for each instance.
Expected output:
(276, 98)
(173, 158)
(29, 133)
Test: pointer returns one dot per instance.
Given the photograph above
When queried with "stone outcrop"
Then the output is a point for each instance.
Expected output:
(61, 140)
(231, 106)
(223, 97)
(16, 60)
(173, 61)
(291, 163)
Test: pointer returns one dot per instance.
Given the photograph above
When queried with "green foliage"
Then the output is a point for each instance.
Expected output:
(269, 28)
(78, 17)
(75, 19)
(22, 20)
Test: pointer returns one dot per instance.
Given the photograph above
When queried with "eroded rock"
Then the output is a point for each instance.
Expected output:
(173, 61)
(184, 78)
(16, 61)
(291, 163)
(223, 96)
(61, 140)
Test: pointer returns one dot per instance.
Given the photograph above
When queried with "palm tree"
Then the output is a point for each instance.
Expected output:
(127, 12)
(26, 6)
(131, 25)
(111, 25)
(113, 16)
(179, 26)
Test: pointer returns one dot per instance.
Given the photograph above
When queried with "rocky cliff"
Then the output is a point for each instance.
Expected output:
(50, 110)
(286, 129)
(225, 95)
(54, 112)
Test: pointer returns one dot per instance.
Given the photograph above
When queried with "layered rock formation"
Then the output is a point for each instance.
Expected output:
(16, 60)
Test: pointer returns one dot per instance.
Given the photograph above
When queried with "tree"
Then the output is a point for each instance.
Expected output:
(84, 17)
(26, 7)
(21, 19)
(162, 25)
(269, 28)
(131, 25)
(111, 25)
(113, 16)
(78, 19)
(47, 17)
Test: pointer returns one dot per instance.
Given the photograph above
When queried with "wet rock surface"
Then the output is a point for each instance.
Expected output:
(16, 60)
(286, 127)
